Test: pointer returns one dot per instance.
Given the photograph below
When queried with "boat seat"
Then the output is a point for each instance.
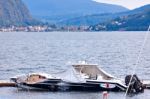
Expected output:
(34, 79)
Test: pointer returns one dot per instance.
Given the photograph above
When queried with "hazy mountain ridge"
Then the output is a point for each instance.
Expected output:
(101, 18)
(88, 19)
(137, 19)
(58, 10)
(14, 12)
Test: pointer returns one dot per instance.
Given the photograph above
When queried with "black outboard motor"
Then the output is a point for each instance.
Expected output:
(136, 86)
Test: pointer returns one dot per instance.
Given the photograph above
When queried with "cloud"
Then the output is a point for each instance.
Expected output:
(131, 4)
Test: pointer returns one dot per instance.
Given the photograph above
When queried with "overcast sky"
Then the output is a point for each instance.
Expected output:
(131, 4)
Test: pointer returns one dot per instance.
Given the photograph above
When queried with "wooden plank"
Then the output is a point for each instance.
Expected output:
(146, 83)
(5, 83)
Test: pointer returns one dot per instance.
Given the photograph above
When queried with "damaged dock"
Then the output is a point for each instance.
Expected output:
(7, 83)
(146, 83)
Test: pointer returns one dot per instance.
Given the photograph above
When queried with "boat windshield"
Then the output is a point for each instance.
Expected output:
(91, 72)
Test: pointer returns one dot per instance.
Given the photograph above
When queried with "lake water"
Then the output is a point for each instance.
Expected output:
(115, 52)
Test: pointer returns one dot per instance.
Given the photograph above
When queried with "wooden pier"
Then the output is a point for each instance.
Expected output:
(7, 83)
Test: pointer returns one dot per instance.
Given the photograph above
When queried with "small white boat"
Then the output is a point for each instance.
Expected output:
(79, 77)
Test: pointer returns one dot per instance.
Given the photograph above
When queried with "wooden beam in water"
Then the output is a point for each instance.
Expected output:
(4, 83)
(146, 83)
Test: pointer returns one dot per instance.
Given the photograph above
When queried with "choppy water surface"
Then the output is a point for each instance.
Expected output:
(115, 52)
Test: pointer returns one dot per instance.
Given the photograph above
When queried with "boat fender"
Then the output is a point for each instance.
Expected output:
(105, 95)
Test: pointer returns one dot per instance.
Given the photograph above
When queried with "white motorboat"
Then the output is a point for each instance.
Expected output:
(79, 77)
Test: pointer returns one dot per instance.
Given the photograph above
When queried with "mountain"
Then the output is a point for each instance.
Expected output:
(88, 19)
(58, 10)
(14, 12)
(101, 18)
(142, 9)
(135, 20)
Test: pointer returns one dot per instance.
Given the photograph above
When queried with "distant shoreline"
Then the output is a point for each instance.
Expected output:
(45, 28)
(68, 31)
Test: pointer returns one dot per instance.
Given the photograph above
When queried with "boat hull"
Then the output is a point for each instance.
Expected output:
(90, 86)
(67, 86)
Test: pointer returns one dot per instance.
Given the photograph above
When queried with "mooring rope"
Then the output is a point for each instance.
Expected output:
(138, 59)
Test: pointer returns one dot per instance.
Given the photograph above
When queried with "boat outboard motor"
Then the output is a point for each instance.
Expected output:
(135, 86)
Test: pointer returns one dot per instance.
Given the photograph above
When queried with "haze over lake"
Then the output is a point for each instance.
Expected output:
(52, 52)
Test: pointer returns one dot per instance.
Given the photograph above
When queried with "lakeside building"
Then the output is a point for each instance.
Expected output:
(44, 28)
